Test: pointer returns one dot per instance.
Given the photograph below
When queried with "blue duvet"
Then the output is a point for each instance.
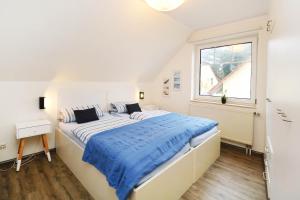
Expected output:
(126, 154)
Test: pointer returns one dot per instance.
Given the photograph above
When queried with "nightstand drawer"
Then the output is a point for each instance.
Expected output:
(33, 131)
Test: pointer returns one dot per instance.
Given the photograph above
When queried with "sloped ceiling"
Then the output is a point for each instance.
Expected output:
(199, 14)
(94, 40)
(102, 40)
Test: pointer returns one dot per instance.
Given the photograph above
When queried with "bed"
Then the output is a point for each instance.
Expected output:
(168, 181)
(188, 152)
(69, 128)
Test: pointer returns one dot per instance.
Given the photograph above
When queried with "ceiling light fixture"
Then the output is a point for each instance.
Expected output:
(164, 5)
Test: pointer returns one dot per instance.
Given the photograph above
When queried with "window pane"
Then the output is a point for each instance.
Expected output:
(226, 70)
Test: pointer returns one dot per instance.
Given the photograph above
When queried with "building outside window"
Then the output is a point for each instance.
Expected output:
(226, 68)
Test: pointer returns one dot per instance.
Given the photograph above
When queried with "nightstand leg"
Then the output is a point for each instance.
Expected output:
(46, 148)
(20, 154)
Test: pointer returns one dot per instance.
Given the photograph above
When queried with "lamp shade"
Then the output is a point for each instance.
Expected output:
(164, 5)
(142, 95)
(42, 103)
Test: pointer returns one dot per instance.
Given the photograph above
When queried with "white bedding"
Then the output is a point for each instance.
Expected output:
(67, 130)
(145, 114)
(201, 138)
(126, 115)
(85, 131)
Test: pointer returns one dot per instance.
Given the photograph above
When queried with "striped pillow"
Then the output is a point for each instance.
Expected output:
(67, 114)
(119, 107)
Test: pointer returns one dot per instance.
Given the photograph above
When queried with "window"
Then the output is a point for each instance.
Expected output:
(226, 68)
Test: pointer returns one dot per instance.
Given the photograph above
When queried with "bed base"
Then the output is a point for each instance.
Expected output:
(170, 184)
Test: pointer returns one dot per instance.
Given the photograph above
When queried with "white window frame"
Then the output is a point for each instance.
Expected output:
(230, 100)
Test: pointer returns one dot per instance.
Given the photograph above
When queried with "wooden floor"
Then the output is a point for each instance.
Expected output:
(233, 177)
(41, 180)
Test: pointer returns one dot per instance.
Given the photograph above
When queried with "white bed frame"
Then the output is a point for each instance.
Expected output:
(170, 184)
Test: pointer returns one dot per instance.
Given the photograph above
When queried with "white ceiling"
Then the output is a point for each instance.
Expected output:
(199, 14)
(94, 40)
(102, 40)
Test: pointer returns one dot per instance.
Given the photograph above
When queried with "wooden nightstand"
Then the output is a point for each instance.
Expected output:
(30, 129)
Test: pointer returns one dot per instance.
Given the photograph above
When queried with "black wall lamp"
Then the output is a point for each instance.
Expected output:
(42, 103)
(142, 95)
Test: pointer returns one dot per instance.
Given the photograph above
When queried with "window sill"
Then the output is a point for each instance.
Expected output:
(231, 104)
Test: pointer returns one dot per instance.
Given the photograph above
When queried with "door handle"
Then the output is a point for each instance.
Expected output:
(286, 120)
(265, 176)
(267, 149)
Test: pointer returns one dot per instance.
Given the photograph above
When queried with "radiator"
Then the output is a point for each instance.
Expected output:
(236, 123)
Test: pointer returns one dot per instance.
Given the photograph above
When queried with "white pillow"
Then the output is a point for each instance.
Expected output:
(67, 114)
(119, 107)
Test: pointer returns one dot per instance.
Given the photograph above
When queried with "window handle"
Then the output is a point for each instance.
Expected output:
(256, 114)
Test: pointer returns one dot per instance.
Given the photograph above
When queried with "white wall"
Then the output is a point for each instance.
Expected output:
(19, 103)
(179, 101)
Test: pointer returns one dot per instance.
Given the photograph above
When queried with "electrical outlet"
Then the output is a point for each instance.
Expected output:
(2, 147)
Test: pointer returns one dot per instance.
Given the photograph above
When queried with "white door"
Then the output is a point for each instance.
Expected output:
(284, 91)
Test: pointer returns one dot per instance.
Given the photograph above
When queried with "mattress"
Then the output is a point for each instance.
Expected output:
(68, 128)
(201, 138)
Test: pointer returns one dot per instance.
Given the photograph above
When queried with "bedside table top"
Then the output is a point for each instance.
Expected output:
(32, 124)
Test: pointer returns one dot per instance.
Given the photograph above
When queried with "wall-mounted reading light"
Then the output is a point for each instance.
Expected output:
(142, 95)
(42, 103)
